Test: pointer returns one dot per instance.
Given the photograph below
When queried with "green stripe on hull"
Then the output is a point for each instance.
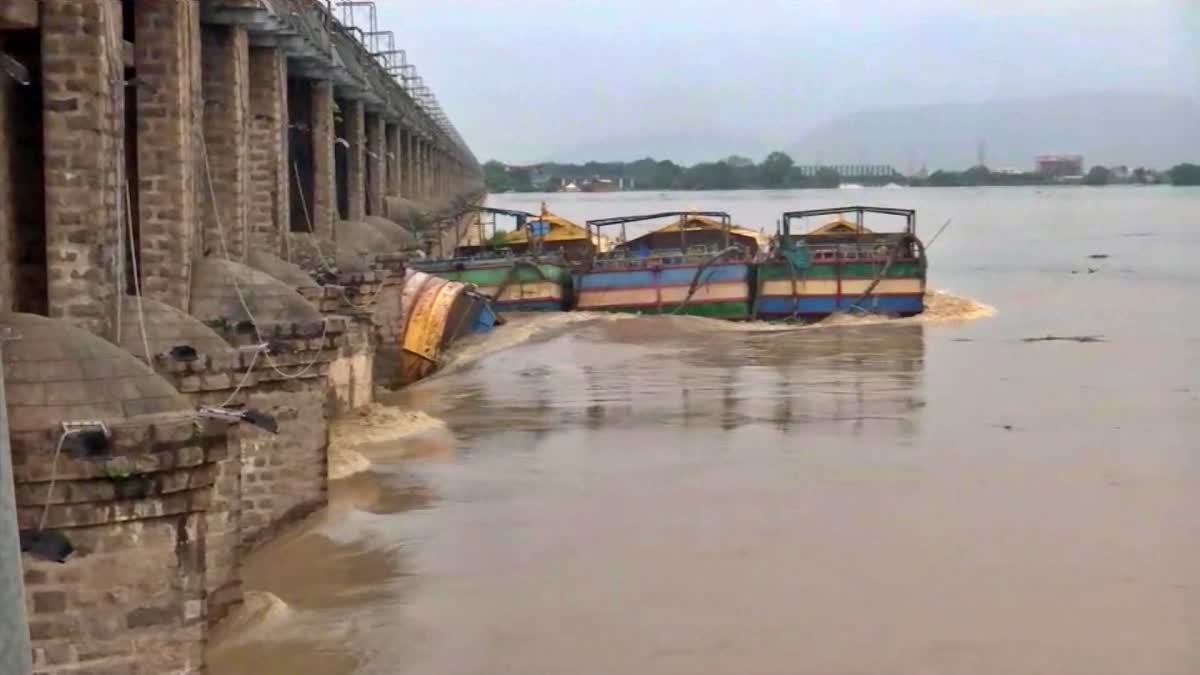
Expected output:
(493, 276)
(716, 310)
(779, 270)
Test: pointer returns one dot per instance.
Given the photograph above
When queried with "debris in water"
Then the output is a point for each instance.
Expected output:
(1065, 338)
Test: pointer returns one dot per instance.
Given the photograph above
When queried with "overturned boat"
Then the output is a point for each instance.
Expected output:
(698, 264)
(843, 266)
(434, 312)
(525, 269)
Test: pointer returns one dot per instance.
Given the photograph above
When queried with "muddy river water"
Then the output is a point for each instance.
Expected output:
(679, 496)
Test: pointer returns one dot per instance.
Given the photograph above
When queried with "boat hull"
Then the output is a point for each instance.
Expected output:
(722, 292)
(520, 286)
(435, 312)
(823, 289)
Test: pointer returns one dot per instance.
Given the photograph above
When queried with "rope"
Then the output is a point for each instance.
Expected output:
(695, 285)
(245, 378)
(368, 303)
(939, 233)
(137, 283)
(212, 195)
(512, 269)
(795, 288)
(880, 275)
(312, 231)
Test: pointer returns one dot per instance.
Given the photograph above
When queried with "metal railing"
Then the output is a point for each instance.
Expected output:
(360, 20)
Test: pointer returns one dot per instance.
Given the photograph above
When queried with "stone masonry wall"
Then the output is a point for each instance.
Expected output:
(404, 163)
(131, 598)
(225, 57)
(324, 206)
(160, 527)
(84, 113)
(388, 319)
(167, 55)
(377, 165)
(351, 375)
(284, 477)
(269, 171)
(356, 159)
(391, 143)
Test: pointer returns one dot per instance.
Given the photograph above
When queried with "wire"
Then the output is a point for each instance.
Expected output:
(53, 476)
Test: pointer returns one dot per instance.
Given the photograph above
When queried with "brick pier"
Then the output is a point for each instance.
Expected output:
(196, 142)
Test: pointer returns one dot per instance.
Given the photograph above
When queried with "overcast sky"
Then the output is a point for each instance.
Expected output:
(530, 80)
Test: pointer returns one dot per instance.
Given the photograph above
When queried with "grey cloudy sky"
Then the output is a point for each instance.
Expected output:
(529, 80)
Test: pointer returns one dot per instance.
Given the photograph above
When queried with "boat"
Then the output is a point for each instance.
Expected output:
(526, 269)
(435, 312)
(842, 266)
(699, 264)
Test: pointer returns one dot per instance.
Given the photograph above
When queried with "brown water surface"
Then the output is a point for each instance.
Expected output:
(677, 496)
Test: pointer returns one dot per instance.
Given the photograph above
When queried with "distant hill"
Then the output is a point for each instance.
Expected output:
(1138, 129)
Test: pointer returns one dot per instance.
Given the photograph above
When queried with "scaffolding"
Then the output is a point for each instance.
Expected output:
(360, 19)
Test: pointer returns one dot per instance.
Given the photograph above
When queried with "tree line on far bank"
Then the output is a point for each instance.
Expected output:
(779, 171)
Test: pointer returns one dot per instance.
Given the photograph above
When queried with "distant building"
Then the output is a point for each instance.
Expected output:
(1059, 166)
(599, 185)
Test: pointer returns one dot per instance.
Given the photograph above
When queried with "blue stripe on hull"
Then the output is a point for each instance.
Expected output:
(882, 304)
(667, 276)
(529, 306)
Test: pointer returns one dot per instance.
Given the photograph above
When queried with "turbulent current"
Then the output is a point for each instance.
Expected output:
(950, 493)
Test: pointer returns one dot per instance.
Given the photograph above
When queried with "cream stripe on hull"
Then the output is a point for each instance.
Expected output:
(777, 287)
(735, 291)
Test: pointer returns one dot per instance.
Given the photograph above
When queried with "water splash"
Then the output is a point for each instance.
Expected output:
(521, 327)
(940, 307)
(374, 425)
(258, 614)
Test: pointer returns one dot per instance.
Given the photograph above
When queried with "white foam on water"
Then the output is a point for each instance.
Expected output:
(374, 425)
(940, 307)
(256, 616)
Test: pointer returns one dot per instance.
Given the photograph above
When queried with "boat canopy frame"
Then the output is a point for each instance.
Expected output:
(521, 218)
(725, 218)
(909, 215)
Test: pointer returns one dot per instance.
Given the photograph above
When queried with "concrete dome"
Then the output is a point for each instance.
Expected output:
(406, 212)
(308, 252)
(168, 327)
(215, 297)
(289, 273)
(400, 238)
(362, 238)
(56, 372)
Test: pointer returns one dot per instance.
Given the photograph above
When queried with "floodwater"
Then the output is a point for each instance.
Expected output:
(668, 495)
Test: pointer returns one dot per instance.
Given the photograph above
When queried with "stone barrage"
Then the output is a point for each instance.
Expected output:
(205, 205)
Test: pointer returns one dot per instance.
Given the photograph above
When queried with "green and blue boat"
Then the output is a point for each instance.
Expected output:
(698, 264)
(843, 266)
(526, 269)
